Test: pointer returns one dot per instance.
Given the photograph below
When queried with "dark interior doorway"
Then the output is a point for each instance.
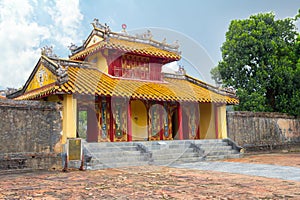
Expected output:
(175, 126)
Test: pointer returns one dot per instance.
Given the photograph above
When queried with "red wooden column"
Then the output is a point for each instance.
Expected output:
(180, 125)
(129, 128)
(216, 121)
(111, 130)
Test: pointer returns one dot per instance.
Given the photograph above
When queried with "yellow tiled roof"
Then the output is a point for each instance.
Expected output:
(128, 46)
(39, 93)
(94, 82)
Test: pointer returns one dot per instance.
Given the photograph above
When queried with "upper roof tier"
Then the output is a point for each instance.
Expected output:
(142, 44)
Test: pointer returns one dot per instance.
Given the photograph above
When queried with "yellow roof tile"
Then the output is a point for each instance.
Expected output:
(39, 93)
(94, 82)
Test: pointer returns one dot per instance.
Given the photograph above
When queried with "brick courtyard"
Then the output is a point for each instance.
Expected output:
(153, 182)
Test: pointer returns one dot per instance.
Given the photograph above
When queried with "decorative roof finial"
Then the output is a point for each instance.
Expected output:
(72, 47)
(181, 70)
(62, 75)
(124, 26)
(48, 51)
(176, 44)
(97, 24)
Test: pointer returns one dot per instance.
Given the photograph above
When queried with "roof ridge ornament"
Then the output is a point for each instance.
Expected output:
(97, 24)
(230, 89)
(73, 47)
(146, 37)
(48, 51)
(62, 75)
(181, 70)
(104, 28)
(124, 26)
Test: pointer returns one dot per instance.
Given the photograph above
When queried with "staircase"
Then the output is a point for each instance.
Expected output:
(124, 154)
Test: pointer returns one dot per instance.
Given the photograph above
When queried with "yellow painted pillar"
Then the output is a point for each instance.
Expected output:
(207, 122)
(69, 117)
(222, 121)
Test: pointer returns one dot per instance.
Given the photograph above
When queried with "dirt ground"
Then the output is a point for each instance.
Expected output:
(152, 182)
(284, 159)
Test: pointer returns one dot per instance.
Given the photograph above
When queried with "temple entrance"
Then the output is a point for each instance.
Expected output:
(175, 125)
(139, 120)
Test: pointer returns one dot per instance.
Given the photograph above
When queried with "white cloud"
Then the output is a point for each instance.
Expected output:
(67, 19)
(170, 67)
(20, 39)
(24, 27)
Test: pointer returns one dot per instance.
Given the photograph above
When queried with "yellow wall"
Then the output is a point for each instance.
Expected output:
(222, 128)
(101, 63)
(69, 117)
(139, 120)
(95, 39)
(207, 121)
(42, 77)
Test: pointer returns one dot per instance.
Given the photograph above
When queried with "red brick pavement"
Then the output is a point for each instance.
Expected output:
(149, 182)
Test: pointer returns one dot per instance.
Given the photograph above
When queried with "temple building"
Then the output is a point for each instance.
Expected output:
(117, 80)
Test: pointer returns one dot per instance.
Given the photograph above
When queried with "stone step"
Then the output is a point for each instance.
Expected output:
(147, 143)
(173, 156)
(209, 145)
(167, 162)
(183, 146)
(207, 141)
(186, 141)
(172, 146)
(227, 152)
(172, 151)
(217, 148)
(110, 144)
(111, 149)
(131, 147)
(100, 154)
(120, 159)
(191, 159)
(190, 150)
(123, 154)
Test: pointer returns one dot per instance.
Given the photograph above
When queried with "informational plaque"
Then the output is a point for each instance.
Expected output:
(74, 149)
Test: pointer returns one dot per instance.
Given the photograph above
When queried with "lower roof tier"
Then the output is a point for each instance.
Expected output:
(91, 81)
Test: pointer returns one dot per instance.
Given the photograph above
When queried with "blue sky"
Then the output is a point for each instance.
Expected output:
(200, 27)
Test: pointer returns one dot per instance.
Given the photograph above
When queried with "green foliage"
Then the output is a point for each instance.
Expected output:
(82, 124)
(259, 59)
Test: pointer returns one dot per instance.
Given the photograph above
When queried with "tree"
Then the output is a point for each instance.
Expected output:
(259, 59)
